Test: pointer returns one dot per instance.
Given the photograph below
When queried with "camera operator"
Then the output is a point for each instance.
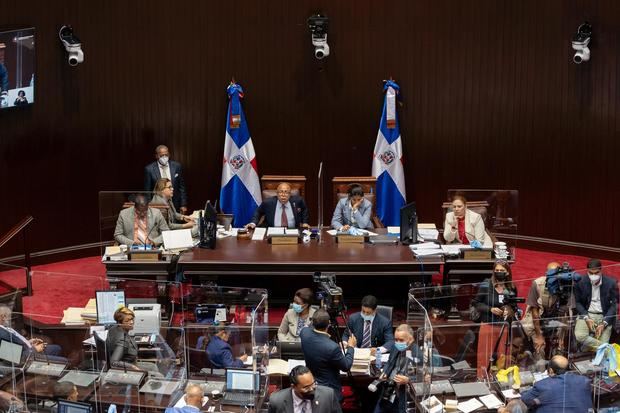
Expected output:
(596, 300)
(550, 297)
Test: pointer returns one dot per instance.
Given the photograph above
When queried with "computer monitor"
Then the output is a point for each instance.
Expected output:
(107, 304)
(242, 380)
(408, 224)
(65, 406)
(290, 350)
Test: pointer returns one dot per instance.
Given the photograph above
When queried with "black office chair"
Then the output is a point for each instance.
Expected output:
(385, 311)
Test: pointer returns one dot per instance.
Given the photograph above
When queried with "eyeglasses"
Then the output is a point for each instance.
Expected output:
(284, 192)
(309, 386)
(168, 187)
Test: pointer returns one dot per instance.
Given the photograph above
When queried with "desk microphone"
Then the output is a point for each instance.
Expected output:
(147, 235)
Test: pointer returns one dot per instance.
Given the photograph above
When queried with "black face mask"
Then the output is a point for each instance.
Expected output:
(500, 275)
(308, 395)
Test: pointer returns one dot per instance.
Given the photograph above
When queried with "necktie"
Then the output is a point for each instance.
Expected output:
(366, 336)
(141, 234)
(304, 407)
(284, 219)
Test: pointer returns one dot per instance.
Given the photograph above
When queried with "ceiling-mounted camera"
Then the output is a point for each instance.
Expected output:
(72, 45)
(318, 25)
(580, 43)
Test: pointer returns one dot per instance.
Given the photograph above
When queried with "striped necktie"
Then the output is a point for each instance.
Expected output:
(366, 336)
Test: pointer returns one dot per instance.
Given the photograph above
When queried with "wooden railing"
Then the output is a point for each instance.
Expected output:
(21, 228)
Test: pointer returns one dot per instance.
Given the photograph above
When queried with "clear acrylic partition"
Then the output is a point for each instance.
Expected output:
(499, 209)
(423, 351)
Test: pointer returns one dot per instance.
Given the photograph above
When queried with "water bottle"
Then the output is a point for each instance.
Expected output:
(378, 358)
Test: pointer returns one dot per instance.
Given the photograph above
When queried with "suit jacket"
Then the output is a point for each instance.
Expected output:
(173, 216)
(474, 229)
(288, 326)
(267, 209)
(325, 359)
(380, 335)
(567, 392)
(609, 297)
(220, 354)
(123, 234)
(121, 347)
(342, 214)
(152, 175)
(325, 401)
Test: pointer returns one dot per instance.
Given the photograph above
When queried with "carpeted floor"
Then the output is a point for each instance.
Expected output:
(71, 283)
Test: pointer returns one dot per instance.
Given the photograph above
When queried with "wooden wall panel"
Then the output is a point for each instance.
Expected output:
(491, 99)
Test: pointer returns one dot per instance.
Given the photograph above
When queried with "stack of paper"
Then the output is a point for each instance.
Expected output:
(470, 405)
(454, 249)
(361, 361)
(491, 401)
(114, 253)
(90, 311)
(426, 248)
(280, 367)
(428, 232)
(75, 315)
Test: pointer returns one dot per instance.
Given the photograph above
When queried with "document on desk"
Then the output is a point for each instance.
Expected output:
(511, 394)
(274, 231)
(393, 230)
(178, 239)
(248, 361)
(425, 246)
(428, 234)
(491, 401)
(470, 405)
(361, 354)
(454, 249)
(427, 252)
(259, 234)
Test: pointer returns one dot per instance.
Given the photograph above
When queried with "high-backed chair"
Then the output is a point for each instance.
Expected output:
(269, 185)
(480, 207)
(340, 187)
(385, 311)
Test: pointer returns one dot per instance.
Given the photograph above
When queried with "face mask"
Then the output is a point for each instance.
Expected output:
(298, 308)
(400, 346)
(500, 275)
(368, 317)
(594, 278)
(308, 395)
(163, 160)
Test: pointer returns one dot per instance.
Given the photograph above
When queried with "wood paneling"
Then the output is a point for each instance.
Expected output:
(491, 99)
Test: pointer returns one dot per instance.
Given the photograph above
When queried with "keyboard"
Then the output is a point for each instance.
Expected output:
(238, 399)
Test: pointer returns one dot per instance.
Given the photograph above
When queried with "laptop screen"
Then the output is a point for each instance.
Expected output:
(11, 352)
(65, 406)
(107, 303)
(243, 380)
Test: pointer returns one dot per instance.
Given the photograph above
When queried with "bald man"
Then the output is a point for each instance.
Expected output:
(282, 210)
(542, 304)
(562, 391)
(191, 401)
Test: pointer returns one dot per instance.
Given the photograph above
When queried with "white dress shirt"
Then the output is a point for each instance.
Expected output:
(595, 302)
(164, 170)
(277, 219)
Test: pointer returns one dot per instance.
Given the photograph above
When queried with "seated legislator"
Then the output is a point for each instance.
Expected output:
(282, 210)
(304, 395)
(298, 317)
(163, 196)
(371, 330)
(463, 226)
(324, 356)
(353, 211)
(562, 391)
(220, 352)
(192, 401)
(140, 225)
(121, 347)
(36, 345)
(596, 300)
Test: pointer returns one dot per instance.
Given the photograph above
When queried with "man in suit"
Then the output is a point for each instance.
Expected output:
(32, 345)
(282, 210)
(562, 391)
(596, 300)
(304, 396)
(192, 400)
(220, 352)
(163, 167)
(323, 356)
(140, 225)
(371, 330)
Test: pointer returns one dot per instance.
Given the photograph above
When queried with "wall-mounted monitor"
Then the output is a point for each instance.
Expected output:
(17, 64)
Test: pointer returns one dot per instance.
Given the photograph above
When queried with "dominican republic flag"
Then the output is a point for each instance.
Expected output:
(240, 194)
(387, 165)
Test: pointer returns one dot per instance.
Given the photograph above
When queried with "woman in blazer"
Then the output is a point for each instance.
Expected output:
(298, 317)
(463, 226)
(163, 196)
(353, 211)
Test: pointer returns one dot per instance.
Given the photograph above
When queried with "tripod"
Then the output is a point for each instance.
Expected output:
(333, 326)
(507, 353)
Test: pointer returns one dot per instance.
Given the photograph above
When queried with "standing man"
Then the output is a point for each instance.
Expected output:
(323, 356)
(562, 391)
(304, 395)
(163, 167)
(596, 300)
(371, 330)
(282, 210)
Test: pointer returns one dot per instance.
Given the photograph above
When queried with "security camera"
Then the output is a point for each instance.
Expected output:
(72, 45)
(580, 43)
(318, 25)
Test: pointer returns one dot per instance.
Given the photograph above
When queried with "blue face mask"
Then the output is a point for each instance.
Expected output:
(298, 308)
(368, 317)
(400, 346)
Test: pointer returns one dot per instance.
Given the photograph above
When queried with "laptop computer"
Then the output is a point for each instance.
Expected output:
(474, 389)
(242, 387)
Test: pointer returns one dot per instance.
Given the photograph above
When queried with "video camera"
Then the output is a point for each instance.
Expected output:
(328, 293)
(560, 282)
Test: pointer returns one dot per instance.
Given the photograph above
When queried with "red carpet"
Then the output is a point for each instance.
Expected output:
(71, 283)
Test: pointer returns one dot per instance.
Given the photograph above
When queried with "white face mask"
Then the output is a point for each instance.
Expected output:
(163, 160)
(594, 278)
